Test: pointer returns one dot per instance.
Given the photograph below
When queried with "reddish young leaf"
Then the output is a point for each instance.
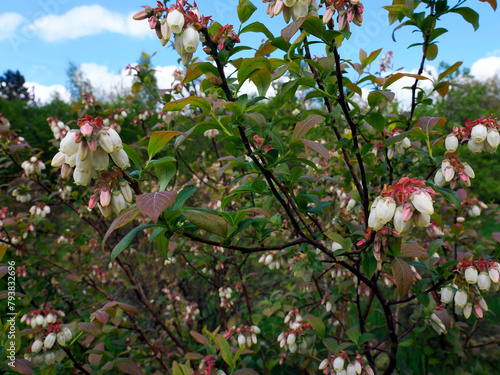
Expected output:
(319, 148)
(21, 366)
(199, 337)
(288, 32)
(496, 236)
(125, 217)
(123, 306)
(403, 275)
(427, 123)
(153, 204)
(95, 359)
(129, 367)
(412, 250)
(304, 126)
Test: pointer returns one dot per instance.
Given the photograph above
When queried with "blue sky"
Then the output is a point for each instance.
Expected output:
(45, 35)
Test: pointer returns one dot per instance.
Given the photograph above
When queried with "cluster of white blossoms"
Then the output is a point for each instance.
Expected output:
(408, 202)
(399, 148)
(475, 277)
(88, 150)
(482, 135)
(211, 133)
(59, 129)
(225, 297)
(112, 201)
(40, 210)
(33, 166)
(292, 9)
(42, 317)
(65, 192)
(21, 195)
(340, 365)
(272, 261)
(247, 336)
(49, 357)
(453, 170)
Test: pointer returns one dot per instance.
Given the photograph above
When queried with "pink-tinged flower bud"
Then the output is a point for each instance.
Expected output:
(475, 147)
(59, 159)
(358, 16)
(289, 3)
(50, 340)
(100, 159)
(66, 171)
(357, 367)
(118, 202)
(478, 311)
(92, 144)
(338, 364)
(327, 16)
(471, 275)
(175, 20)
(278, 7)
(120, 158)
(92, 202)
(323, 364)
(126, 191)
(447, 294)
(422, 202)
(61, 339)
(82, 177)
(399, 224)
(468, 170)
(68, 143)
(142, 14)
(483, 304)
(105, 197)
(448, 173)
(451, 143)
(479, 133)
(421, 220)
(166, 33)
(343, 22)
(87, 129)
(439, 179)
(84, 151)
(484, 281)
(105, 211)
(494, 274)
(299, 11)
(37, 346)
(385, 209)
(461, 298)
(493, 138)
(190, 39)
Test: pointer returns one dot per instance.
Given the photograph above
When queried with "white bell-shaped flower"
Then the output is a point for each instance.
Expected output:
(338, 364)
(175, 20)
(447, 294)
(82, 177)
(451, 143)
(50, 340)
(385, 209)
(475, 147)
(421, 220)
(400, 225)
(190, 39)
(484, 281)
(471, 275)
(493, 138)
(118, 202)
(120, 158)
(439, 179)
(37, 346)
(299, 11)
(479, 133)
(68, 143)
(422, 202)
(461, 298)
(100, 159)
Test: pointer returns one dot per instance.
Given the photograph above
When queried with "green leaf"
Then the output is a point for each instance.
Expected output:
(257, 27)
(377, 121)
(262, 80)
(194, 101)
(335, 237)
(134, 156)
(369, 265)
(431, 52)
(125, 217)
(451, 196)
(181, 198)
(207, 221)
(126, 241)
(251, 66)
(162, 242)
(353, 334)
(159, 140)
(245, 10)
(165, 171)
(403, 275)
(317, 324)
(225, 351)
(468, 15)
(450, 70)
(314, 26)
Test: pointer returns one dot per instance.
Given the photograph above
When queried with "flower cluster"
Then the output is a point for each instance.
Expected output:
(272, 261)
(348, 11)
(54, 333)
(293, 9)
(42, 317)
(473, 207)
(111, 194)
(385, 61)
(473, 278)
(33, 166)
(88, 150)
(340, 365)
(399, 147)
(245, 336)
(225, 297)
(408, 202)
(482, 135)
(40, 210)
(21, 194)
(440, 320)
(59, 129)
(452, 170)
(211, 133)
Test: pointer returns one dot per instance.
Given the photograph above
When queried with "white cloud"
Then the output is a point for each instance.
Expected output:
(9, 22)
(105, 81)
(486, 68)
(84, 21)
(44, 94)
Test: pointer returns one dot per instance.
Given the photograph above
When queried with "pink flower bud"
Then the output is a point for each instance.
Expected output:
(105, 197)
(478, 311)
(141, 15)
(407, 211)
(84, 151)
(92, 202)
(86, 129)
(327, 16)
(66, 171)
